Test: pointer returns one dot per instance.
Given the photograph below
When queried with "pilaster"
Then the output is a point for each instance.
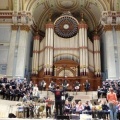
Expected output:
(10, 64)
(22, 46)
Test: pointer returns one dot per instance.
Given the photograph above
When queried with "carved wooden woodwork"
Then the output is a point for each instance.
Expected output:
(70, 65)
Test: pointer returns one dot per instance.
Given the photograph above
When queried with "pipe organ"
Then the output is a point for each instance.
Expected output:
(67, 50)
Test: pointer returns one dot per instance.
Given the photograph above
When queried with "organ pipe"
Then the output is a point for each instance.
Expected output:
(83, 47)
(35, 54)
(97, 55)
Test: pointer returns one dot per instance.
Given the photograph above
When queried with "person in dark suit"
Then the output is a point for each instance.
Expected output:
(58, 99)
(42, 85)
(104, 91)
(3, 91)
(86, 86)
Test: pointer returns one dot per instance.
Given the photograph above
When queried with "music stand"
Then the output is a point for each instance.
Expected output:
(70, 98)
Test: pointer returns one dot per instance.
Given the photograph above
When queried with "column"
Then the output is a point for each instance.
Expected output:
(117, 29)
(11, 53)
(22, 46)
(111, 67)
(35, 59)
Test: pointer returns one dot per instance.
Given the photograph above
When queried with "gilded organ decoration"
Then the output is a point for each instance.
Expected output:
(66, 26)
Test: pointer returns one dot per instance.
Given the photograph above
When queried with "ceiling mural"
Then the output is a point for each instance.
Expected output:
(40, 9)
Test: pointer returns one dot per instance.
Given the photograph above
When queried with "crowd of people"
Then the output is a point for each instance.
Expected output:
(115, 84)
(15, 89)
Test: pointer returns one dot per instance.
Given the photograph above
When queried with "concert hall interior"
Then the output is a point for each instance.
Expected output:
(56, 55)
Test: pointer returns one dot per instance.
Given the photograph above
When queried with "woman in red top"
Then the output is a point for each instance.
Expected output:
(112, 100)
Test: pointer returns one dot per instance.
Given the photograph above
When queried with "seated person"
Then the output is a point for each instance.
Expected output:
(99, 109)
(107, 84)
(87, 108)
(52, 85)
(102, 91)
(67, 107)
(26, 98)
(42, 85)
(118, 110)
(73, 107)
(35, 92)
(105, 109)
(118, 83)
(65, 84)
(79, 107)
(48, 107)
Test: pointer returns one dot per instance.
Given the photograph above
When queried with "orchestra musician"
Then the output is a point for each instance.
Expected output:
(35, 92)
(86, 85)
(65, 84)
(48, 107)
(10, 95)
(76, 86)
(3, 91)
(52, 85)
(26, 100)
(42, 85)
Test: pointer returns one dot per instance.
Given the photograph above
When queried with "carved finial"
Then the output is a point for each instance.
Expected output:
(82, 15)
(50, 15)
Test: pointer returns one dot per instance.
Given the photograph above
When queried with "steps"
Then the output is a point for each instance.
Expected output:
(80, 95)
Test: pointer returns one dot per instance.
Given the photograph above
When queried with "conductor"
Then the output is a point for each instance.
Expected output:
(58, 99)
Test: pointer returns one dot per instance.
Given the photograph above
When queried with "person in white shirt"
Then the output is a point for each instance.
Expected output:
(79, 107)
(35, 92)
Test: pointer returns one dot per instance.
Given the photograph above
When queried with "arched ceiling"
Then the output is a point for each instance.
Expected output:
(91, 8)
(41, 9)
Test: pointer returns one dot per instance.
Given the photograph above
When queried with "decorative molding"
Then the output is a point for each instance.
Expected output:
(25, 27)
(108, 28)
(117, 27)
(50, 25)
(14, 27)
(110, 18)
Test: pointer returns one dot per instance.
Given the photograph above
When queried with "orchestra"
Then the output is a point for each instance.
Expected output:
(17, 89)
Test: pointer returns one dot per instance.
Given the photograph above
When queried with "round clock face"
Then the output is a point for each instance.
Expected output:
(66, 26)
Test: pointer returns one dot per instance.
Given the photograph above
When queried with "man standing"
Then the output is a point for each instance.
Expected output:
(86, 85)
(112, 100)
(58, 99)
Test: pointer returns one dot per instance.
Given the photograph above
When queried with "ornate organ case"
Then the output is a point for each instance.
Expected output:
(66, 52)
